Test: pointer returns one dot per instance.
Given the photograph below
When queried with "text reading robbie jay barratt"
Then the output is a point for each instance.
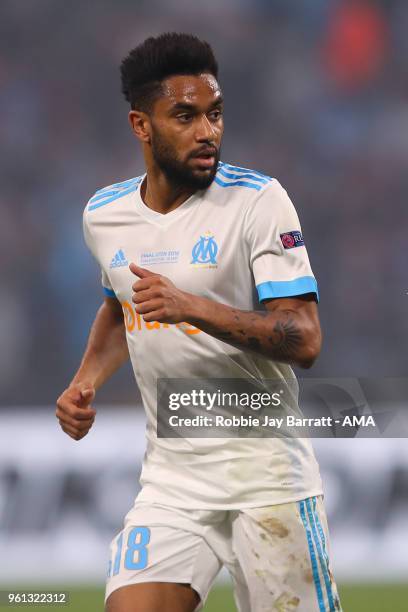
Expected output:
(266, 421)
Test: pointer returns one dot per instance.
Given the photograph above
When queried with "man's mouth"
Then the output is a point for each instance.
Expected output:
(206, 157)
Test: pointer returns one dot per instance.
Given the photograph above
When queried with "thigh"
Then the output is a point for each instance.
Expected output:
(284, 555)
(153, 597)
(164, 549)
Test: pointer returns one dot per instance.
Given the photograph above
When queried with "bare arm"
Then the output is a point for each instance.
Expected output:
(106, 351)
(288, 331)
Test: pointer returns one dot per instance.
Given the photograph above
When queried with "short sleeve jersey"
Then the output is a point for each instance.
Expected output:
(238, 242)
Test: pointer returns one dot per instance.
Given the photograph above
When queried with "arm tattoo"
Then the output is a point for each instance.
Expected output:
(278, 335)
(254, 343)
(287, 339)
(224, 335)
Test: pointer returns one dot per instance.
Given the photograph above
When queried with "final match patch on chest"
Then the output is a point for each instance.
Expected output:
(291, 240)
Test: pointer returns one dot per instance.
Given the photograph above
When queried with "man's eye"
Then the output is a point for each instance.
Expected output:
(216, 114)
(185, 118)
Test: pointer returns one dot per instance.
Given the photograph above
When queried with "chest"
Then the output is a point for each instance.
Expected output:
(202, 253)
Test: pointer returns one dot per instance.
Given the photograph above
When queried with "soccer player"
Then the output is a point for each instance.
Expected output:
(206, 275)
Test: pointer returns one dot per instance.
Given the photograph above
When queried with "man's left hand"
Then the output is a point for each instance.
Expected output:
(157, 298)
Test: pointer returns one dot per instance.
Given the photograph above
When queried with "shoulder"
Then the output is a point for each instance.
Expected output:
(256, 193)
(112, 193)
(244, 180)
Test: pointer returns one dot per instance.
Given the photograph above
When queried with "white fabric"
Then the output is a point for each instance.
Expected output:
(239, 227)
(266, 551)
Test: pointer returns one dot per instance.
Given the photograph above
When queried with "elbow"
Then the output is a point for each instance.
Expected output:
(310, 350)
(306, 362)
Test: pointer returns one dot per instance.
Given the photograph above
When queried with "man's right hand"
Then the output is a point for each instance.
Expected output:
(74, 411)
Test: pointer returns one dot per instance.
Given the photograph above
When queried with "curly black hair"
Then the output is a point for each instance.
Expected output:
(157, 58)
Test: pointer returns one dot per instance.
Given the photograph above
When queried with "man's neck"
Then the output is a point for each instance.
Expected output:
(159, 194)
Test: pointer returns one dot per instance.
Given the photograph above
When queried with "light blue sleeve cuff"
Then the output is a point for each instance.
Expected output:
(279, 289)
(109, 292)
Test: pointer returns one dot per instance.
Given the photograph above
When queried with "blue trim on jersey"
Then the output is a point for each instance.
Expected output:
(118, 185)
(312, 553)
(321, 532)
(247, 175)
(323, 539)
(116, 196)
(278, 289)
(103, 195)
(323, 564)
(239, 169)
(109, 292)
(237, 184)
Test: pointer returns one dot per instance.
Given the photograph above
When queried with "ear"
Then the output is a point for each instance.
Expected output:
(140, 124)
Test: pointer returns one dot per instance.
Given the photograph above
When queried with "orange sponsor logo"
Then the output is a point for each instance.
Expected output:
(133, 321)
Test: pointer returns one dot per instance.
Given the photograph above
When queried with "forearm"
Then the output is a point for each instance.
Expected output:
(106, 349)
(286, 336)
(288, 331)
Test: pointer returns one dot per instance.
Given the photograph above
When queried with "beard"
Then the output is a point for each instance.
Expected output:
(177, 171)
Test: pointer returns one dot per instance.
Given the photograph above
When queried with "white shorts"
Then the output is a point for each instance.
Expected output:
(277, 556)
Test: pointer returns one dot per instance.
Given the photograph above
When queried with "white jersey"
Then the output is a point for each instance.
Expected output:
(237, 242)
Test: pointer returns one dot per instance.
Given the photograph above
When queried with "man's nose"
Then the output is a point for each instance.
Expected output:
(204, 130)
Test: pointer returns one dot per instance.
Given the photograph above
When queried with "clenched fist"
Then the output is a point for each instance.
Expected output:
(74, 411)
(157, 298)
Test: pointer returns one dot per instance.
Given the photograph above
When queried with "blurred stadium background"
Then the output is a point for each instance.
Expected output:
(317, 96)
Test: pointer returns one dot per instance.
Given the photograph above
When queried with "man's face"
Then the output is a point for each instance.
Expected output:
(187, 127)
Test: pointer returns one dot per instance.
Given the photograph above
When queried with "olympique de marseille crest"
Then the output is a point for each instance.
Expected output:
(205, 251)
